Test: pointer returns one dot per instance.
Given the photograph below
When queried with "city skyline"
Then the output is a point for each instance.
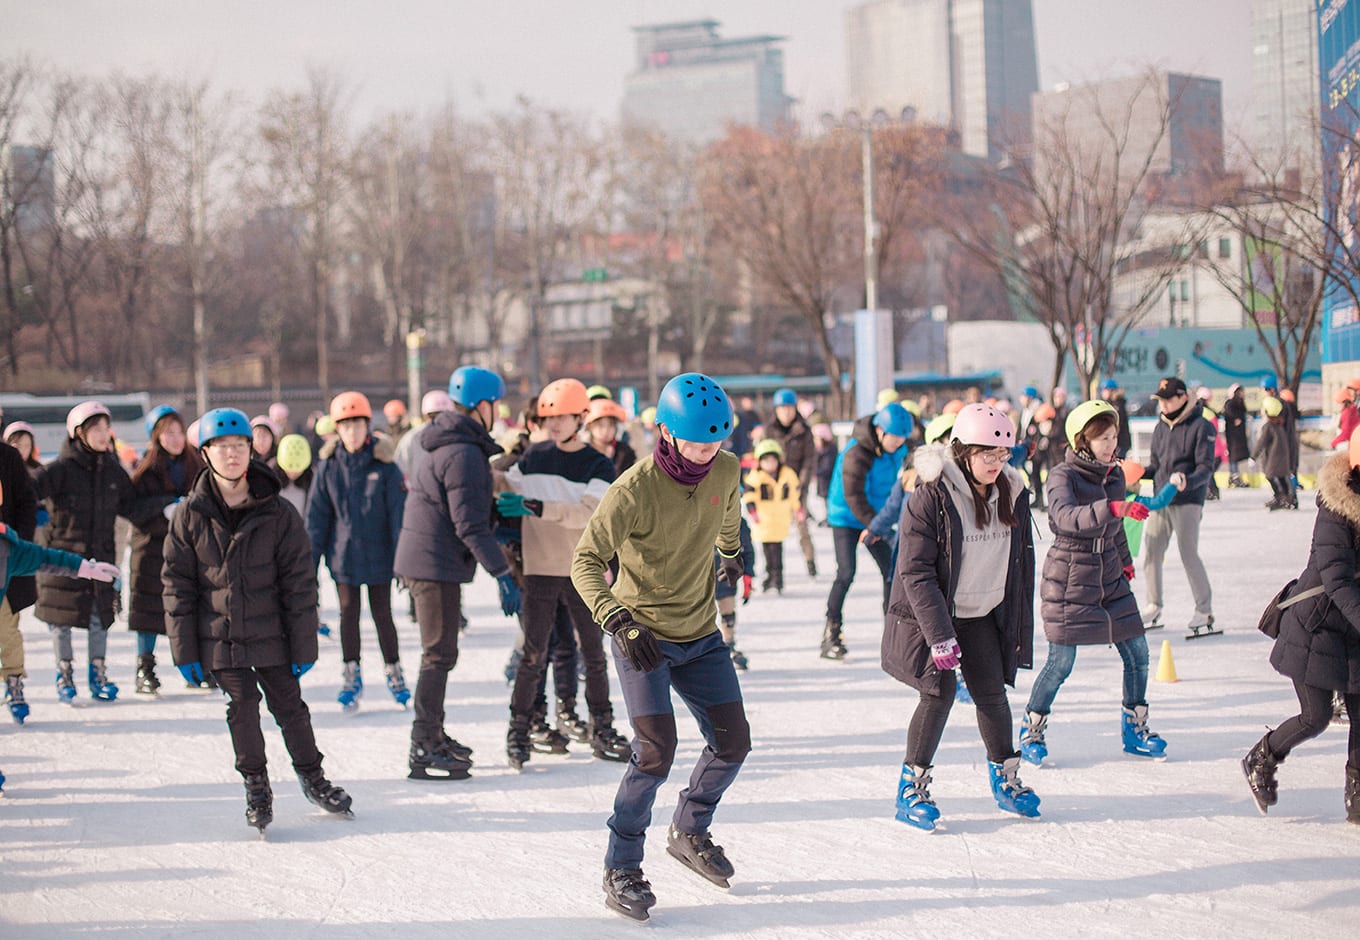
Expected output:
(417, 54)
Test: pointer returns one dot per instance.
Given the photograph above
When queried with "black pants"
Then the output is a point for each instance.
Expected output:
(774, 564)
(1315, 714)
(438, 610)
(380, 606)
(283, 695)
(980, 660)
(846, 541)
(1036, 485)
(542, 596)
(562, 656)
(1281, 488)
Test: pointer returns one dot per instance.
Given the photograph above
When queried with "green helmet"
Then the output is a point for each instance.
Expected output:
(768, 446)
(938, 429)
(1084, 414)
(598, 391)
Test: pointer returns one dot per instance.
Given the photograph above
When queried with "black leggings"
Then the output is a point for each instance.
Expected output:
(1315, 714)
(380, 606)
(980, 660)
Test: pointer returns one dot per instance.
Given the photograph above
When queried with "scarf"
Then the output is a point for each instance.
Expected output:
(675, 466)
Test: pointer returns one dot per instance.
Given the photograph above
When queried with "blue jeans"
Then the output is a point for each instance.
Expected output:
(1061, 659)
(146, 642)
(701, 672)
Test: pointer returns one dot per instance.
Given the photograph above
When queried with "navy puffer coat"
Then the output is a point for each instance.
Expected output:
(1084, 597)
(354, 511)
(1319, 641)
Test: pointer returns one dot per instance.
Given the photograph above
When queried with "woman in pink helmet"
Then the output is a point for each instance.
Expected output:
(963, 596)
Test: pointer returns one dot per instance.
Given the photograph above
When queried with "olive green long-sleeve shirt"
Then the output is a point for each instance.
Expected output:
(664, 535)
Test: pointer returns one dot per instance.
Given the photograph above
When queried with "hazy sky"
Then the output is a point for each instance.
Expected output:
(414, 54)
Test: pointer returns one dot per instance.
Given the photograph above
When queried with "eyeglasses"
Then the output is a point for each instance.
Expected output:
(229, 447)
(991, 458)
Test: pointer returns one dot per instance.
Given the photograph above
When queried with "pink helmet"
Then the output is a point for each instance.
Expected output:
(1204, 393)
(18, 426)
(984, 426)
(436, 401)
(83, 412)
(264, 421)
(278, 413)
(192, 432)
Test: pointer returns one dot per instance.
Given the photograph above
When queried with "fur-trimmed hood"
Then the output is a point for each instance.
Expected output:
(930, 460)
(384, 448)
(1334, 490)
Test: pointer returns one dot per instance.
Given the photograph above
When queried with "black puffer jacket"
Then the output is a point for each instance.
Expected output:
(1185, 444)
(1319, 641)
(800, 450)
(87, 492)
(921, 605)
(446, 528)
(1084, 597)
(240, 588)
(20, 513)
(1235, 429)
(154, 491)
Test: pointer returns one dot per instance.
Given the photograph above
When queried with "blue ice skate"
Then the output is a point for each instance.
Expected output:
(396, 684)
(14, 697)
(1033, 747)
(1138, 740)
(101, 688)
(352, 689)
(914, 804)
(1012, 795)
(66, 682)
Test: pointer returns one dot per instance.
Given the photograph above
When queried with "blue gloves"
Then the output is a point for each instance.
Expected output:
(192, 672)
(513, 506)
(300, 668)
(510, 599)
(43, 517)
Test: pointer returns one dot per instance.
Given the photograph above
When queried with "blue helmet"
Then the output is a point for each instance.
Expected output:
(153, 417)
(693, 407)
(222, 422)
(1109, 385)
(1030, 392)
(1269, 382)
(894, 419)
(469, 385)
(785, 396)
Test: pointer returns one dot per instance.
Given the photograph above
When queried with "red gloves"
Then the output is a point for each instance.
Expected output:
(801, 515)
(751, 511)
(1128, 572)
(746, 589)
(1129, 510)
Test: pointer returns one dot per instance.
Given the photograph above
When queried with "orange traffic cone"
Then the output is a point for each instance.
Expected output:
(1166, 666)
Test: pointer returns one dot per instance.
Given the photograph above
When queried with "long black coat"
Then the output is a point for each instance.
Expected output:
(1084, 597)
(1319, 641)
(446, 527)
(20, 513)
(240, 587)
(921, 603)
(87, 492)
(154, 491)
(1235, 429)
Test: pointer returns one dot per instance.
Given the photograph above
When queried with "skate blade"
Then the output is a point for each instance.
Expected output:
(714, 879)
(639, 914)
(547, 749)
(430, 773)
(1153, 626)
(920, 825)
(1203, 633)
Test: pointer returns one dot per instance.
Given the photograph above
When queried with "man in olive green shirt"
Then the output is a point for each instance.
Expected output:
(662, 519)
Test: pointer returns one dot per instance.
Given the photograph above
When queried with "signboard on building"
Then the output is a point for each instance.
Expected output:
(1339, 64)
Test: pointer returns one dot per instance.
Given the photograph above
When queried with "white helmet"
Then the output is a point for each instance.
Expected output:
(436, 401)
(83, 412)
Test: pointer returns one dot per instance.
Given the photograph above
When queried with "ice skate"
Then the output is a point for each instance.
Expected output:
(101, 689)
(1352, 794)
(1138, 740)
(323, 793)
(147, 682)
(1339, 716)
(700, 855)
(1152, 619)
(571, 725)
(544, 738)
(1202, 625)
(832, 645)
(914, 804)
(1010, 794)
(626, 891)
(512, 665)
(351, 689)
(517, 749)
(812, 568)
(605, 742)
(259, 801)
(1033, 747)
(14, 698)
(1259, 769)
(66, 682)
(437, 761)
(738, 657)
(396, 684)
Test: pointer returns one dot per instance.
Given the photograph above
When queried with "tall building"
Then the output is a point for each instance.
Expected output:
(966, 64)
(693, 84)
(29, 180)
(1284, 85)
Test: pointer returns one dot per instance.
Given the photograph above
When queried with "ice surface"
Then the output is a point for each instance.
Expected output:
(127, 818)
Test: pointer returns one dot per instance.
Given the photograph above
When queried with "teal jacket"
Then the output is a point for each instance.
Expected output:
(19, 558)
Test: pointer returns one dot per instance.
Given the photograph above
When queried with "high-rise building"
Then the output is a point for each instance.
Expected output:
(693, 84)
(29, 180)
(966, 64)
(1284, 85)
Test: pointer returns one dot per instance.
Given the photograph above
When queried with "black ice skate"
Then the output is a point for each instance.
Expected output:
(544, 738)
(437, 761)
(1259, 768)
(605, 742)
(147, 681)
(626, 891)
(833, 647)
(569, 723)
(259, 802)
(325, 794)
(517, 748)
(700, 855)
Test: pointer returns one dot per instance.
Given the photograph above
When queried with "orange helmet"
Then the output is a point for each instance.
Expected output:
(394, 410)
(1286, 395)
(563, 397)
(604, 408)
(952, 407)
(1045, 412)
(1343, 395)
(1133, 471)
(350, 405)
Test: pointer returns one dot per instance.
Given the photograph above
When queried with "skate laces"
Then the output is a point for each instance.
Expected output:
(1034, 731)
(917, 787)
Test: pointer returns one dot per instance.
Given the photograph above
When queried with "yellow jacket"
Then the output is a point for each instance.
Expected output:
(771, 502)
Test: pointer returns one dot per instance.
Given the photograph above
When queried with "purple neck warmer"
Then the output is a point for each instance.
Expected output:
(677, 467)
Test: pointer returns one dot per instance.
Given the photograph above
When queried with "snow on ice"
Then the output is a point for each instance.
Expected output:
(127, 818)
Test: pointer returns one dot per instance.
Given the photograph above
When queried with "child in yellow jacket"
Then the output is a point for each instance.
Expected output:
(772, 503)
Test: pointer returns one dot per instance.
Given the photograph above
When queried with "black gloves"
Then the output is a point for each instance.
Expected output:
(731, 569)
(635, 642)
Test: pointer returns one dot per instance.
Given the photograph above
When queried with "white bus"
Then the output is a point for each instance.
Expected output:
(48, 417)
